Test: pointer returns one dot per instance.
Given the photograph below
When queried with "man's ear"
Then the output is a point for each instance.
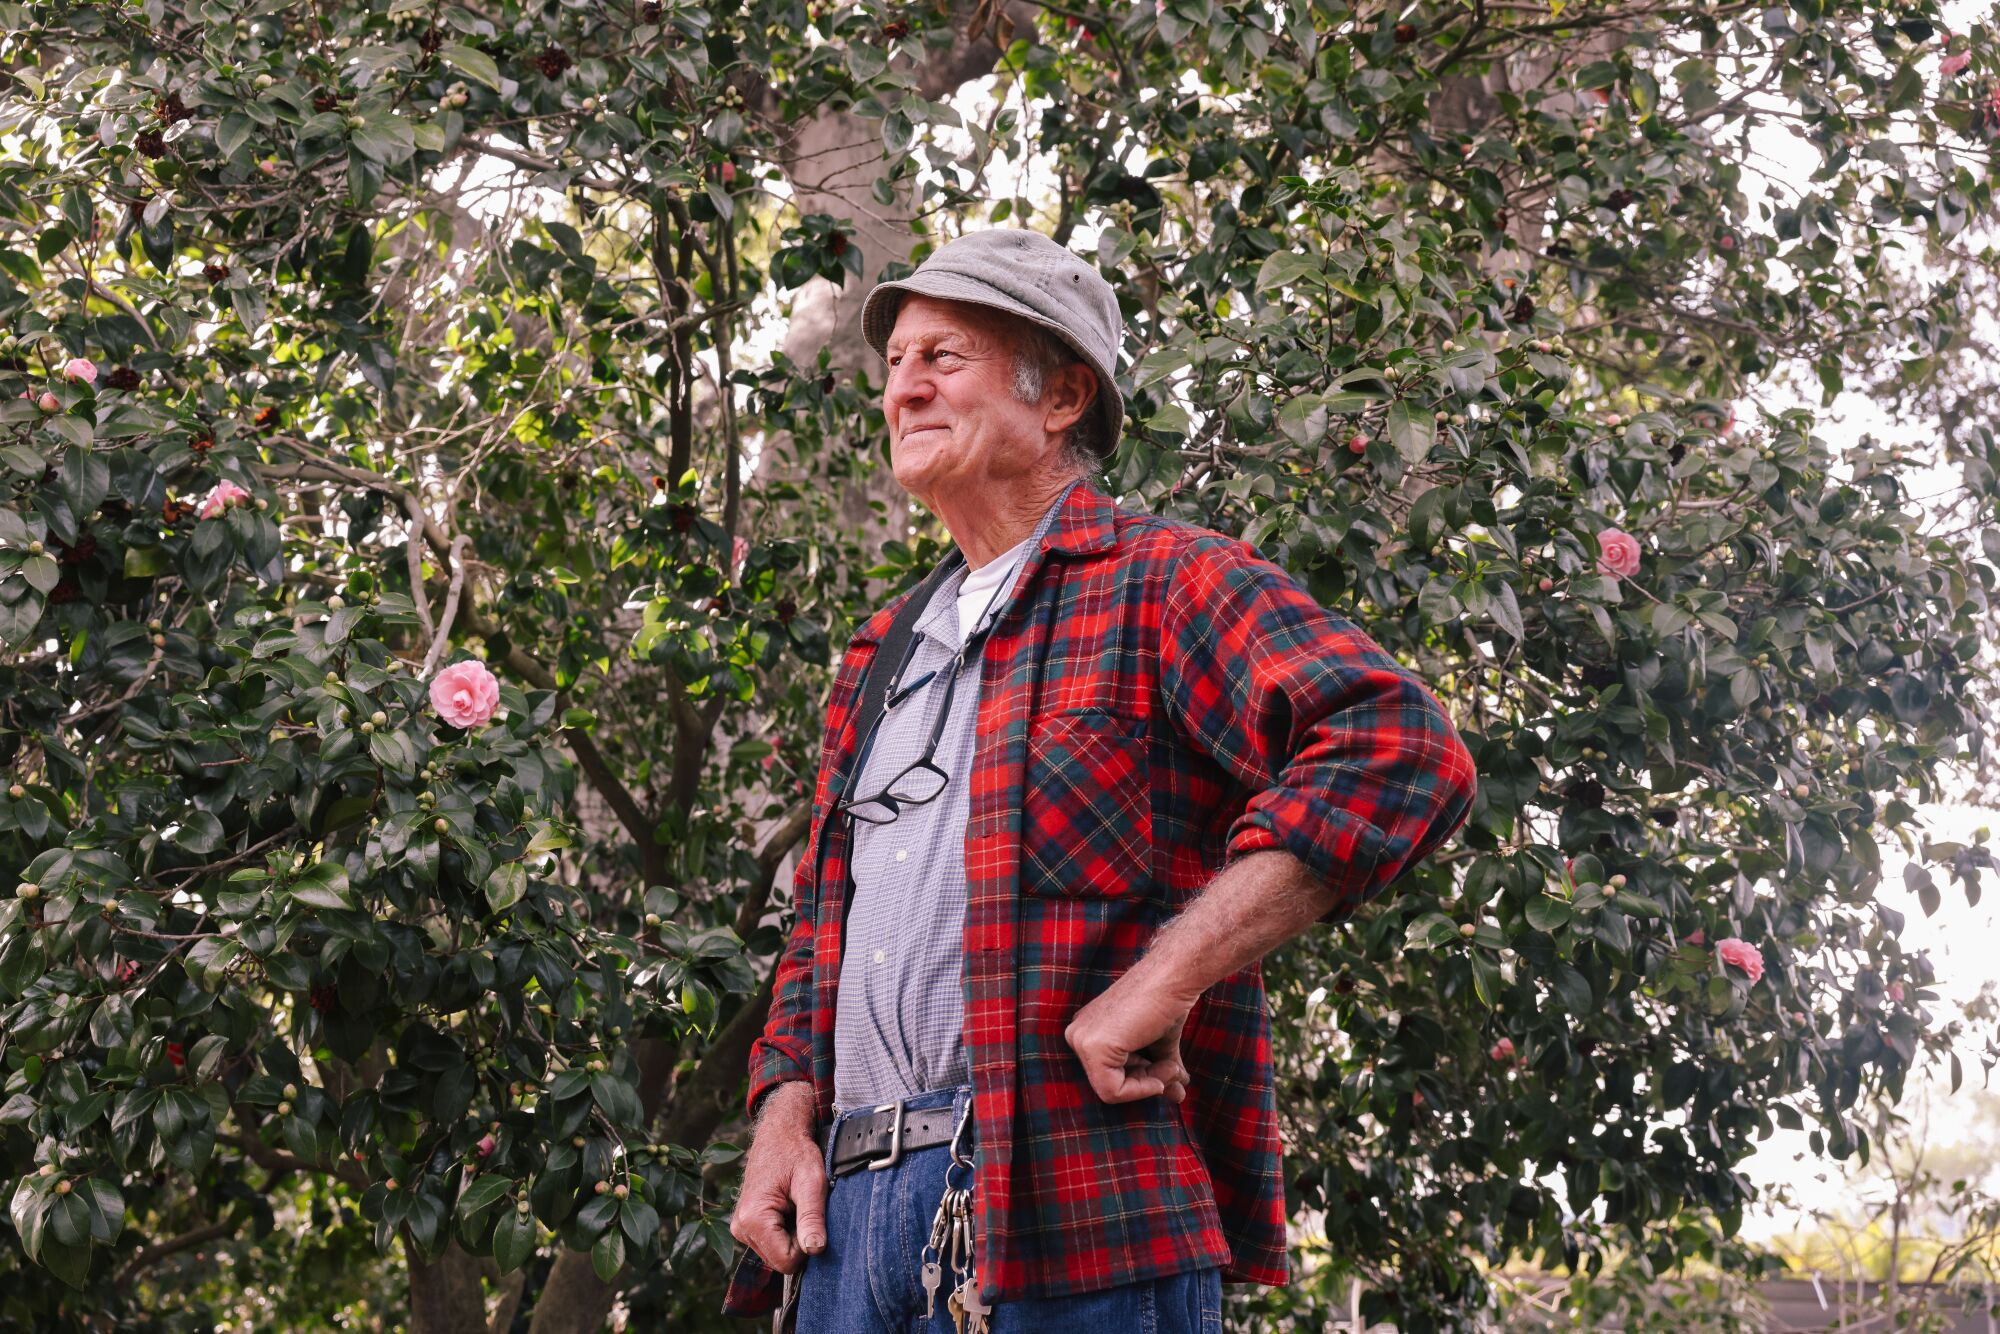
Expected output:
(1071, 390)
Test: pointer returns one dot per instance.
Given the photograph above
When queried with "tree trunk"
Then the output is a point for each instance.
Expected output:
(446, 1297)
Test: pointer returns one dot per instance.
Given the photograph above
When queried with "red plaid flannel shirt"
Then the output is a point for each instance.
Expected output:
(1157, 701)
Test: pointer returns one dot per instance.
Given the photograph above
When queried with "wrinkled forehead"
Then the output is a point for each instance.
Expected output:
(931, 318)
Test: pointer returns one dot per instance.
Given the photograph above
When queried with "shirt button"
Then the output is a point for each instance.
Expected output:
(878, 956)
(902, 854)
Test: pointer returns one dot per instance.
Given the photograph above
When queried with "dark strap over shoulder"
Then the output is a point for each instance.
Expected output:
(895, 646)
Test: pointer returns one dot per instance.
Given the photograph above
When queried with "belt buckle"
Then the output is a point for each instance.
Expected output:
(895, 1154)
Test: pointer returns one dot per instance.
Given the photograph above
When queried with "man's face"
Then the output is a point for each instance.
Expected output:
(954, 423)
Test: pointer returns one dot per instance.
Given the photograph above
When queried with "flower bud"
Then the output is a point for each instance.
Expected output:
(16, 791)
(284, 1109)
(1468, 931)
(379, 718)
(521, 1208)
(336, 602)
(291, 1090)
(63, 1187)
(621, 1191)
(602, 1187)
(441, 824)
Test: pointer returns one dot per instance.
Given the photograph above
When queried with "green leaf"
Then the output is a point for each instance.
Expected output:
(198, 832)
(41, 572)
(1546, 913)
(597, 1215)
(640, 1221)
(1413, 433)
(387, 140)
(482, 1193)
(232, 132)
(506, 886)
(513, 1239)
(1429, 931)
(472, 63)
(607, 1255)
(323, 886)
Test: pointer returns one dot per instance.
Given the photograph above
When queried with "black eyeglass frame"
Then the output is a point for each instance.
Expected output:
(843, 805)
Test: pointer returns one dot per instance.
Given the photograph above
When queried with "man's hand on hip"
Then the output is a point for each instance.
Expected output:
(781, 1213)
(1129, 1040)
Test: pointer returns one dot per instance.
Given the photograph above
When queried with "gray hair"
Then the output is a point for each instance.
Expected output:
(1038, 353)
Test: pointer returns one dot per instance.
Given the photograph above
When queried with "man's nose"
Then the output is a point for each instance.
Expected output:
(907, 383)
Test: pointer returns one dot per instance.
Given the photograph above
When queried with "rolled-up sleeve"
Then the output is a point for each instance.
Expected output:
(1356, 768)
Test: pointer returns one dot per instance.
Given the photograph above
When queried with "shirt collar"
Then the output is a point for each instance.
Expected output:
(1081, 522)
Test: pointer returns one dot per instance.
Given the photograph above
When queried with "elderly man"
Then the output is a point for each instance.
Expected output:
(1017, 1068)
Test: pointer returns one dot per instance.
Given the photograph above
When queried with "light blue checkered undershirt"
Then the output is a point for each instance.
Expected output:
(899, 1020)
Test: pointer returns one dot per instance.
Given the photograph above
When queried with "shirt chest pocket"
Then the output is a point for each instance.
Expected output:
(1087, 809)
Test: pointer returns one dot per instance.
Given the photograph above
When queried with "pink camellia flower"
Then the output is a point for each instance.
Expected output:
(486, 1145)
(1743, 954)
(465, 694)
(1951, 65)
(1618, 553)
(1503, 1050)
(738, 551)
(1696, 937)
(1895, 991)
(81, 370)
(49, 403)
(225, 494)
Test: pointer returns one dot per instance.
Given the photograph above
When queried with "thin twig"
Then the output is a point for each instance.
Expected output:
(458, 545)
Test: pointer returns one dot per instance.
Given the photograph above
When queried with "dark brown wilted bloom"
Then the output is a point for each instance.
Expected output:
(151, 143)
(552, 62)
(122, 378)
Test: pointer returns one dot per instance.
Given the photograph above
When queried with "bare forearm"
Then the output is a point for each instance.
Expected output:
(1256, 904)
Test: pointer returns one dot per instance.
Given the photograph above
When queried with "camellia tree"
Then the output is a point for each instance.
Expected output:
(440, 476)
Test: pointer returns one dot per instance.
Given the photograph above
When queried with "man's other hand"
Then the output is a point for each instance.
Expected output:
(781, 1213)
(1129, 1040)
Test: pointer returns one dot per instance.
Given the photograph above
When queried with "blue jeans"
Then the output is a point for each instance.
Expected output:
(866, 1281)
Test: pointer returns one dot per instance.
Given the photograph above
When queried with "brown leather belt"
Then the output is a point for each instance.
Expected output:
(879, 1138)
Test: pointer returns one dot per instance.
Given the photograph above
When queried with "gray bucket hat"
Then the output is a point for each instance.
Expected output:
(1023, 273)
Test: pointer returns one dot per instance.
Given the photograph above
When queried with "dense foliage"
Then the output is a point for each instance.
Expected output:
(349, 344)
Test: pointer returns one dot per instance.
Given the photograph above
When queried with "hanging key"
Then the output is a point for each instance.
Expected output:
(976, 1309)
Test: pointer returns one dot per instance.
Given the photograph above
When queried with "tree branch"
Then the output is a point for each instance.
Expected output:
(159, 1251)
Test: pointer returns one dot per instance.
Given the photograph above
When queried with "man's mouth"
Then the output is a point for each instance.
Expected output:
(919, 430)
